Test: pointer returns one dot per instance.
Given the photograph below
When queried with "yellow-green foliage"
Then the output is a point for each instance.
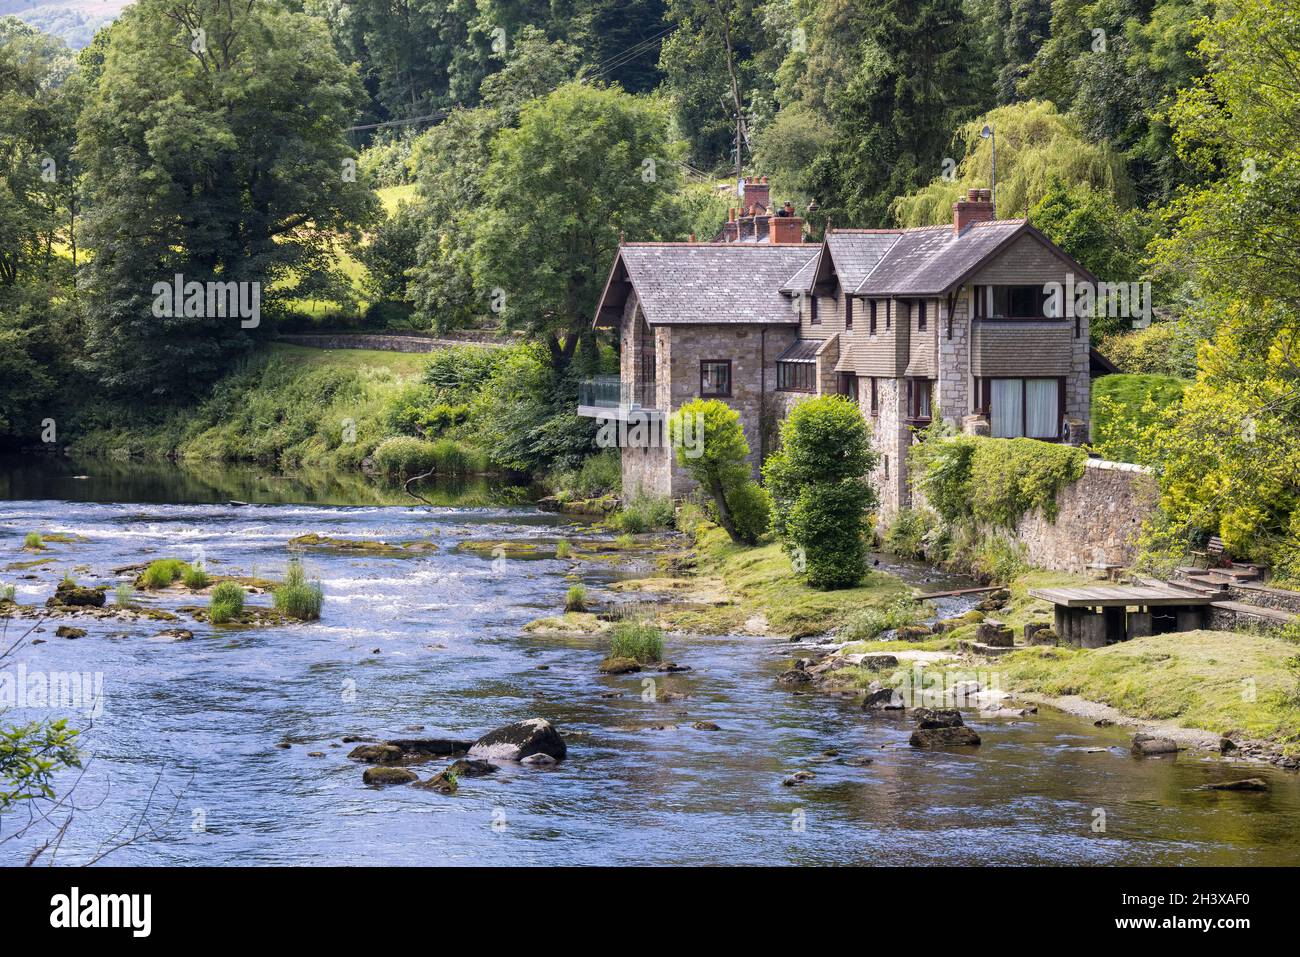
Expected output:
(32, 541)
(1165, 349)
(195, 576)
(1036, 145)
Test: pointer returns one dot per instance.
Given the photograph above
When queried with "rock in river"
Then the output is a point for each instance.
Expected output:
(883, 699)
(1145, 744)
(68, 593)
(793, 678)
(619, 666)
(517, 741)
(386, 775)
(67, 631)
(1245, 784)
(941, 728)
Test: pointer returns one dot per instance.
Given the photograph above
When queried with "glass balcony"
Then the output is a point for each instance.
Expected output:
(609, 396)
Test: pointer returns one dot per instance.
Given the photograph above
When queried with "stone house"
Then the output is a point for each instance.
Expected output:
(972, 322)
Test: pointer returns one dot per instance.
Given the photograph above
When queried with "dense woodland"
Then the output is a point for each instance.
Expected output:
(1152, 139)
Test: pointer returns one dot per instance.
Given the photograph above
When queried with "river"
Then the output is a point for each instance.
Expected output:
(434, 641)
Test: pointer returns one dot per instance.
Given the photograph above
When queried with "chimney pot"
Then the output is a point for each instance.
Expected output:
(973, 195)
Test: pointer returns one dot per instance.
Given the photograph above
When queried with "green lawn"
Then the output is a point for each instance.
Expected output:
(1133, 391)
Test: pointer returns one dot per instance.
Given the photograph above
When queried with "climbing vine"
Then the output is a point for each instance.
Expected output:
(993, 481)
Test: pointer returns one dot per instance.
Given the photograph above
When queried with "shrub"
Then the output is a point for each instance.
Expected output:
(162, 573)
(690, 514)
(403, 457)
(563, 549)
(297, 597)
(636, 639)
(7, 592)
(195, 577)
(123, 595)
(906, 536)
(1128, 411)
(227, 603)
(826, 523)
(1162, 348)
(712, 429)
(751, 510)
(599, 474)
(870, 623)
(644, 513)
(820, 496)
(33, 541)
(999, 558)
(576, 599)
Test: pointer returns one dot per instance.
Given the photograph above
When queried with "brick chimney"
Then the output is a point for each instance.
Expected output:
(786, 229)
(756, 192)
(977, 207)
(730, 229)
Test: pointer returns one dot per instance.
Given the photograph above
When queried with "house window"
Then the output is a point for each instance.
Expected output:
(1024, 408)
(796, 376)
(848, 311)
(887, 319)
(875, 396)
(920, 315)
(812, 311)
(715, 378)
(871, 323)
(1012, 302)
(849, 386)
(918, 400)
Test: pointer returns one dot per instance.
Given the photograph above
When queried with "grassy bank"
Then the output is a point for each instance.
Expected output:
(1228, 683)
(289, 406)
(726, 587)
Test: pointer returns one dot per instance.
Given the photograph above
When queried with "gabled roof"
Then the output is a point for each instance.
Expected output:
(932, 260)
(853, 254)
(680, 283)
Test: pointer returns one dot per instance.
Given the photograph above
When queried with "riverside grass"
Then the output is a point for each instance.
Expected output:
(227, 603)
(297, 597)
(639, 640)
(162, 573)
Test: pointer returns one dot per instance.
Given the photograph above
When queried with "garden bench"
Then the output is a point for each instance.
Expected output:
(1212, 552)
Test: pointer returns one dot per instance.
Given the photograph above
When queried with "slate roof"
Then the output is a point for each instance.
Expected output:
(707, 282)
(930, 260)
(856, 252)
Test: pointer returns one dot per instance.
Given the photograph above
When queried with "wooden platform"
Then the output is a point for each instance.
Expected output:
(1119, 596)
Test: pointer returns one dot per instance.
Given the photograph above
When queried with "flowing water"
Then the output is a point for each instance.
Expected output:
(191, 733)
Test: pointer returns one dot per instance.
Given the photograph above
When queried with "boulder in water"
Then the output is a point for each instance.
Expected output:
(71, 594)
(1148, 744)
(387, 775)
(520, 740)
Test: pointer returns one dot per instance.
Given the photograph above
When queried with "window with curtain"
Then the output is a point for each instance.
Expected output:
(1025, 408)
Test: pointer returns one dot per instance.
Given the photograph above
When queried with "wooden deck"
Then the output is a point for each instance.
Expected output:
(1119, 596)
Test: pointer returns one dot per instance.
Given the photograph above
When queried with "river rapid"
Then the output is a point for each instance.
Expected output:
(211, 741)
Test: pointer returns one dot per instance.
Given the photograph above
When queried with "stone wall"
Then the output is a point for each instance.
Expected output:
(380, 342)
(1098, 520)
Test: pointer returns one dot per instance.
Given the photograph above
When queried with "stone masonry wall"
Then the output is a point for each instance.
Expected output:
(1098, 521)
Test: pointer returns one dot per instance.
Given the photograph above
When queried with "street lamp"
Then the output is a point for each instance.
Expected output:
(987, 133)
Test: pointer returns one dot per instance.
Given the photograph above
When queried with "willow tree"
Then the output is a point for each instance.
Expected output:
(1038, 148)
